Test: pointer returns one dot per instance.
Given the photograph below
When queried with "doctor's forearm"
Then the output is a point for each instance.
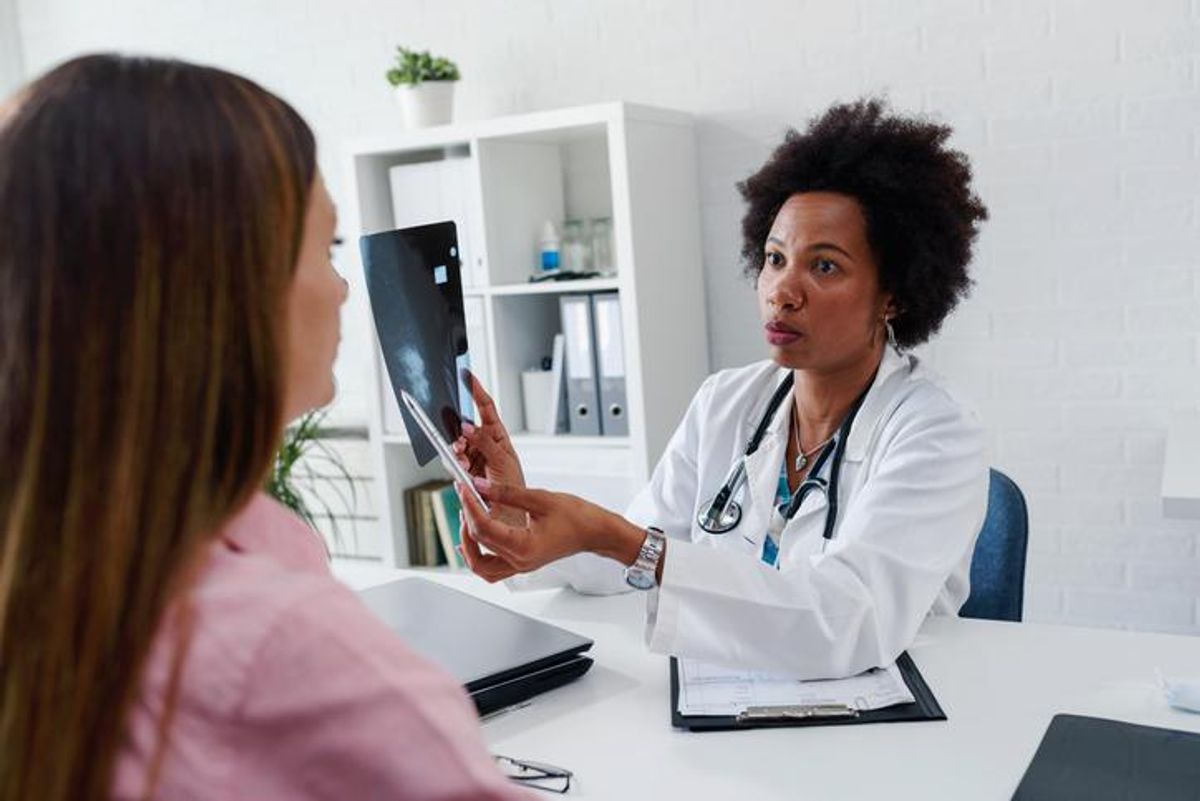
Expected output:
(621, 540)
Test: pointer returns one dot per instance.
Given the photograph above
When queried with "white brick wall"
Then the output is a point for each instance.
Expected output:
(11, 69)
(1083, 121)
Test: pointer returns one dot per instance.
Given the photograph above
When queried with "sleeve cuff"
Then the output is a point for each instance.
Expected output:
(662, 604)
(585, 573)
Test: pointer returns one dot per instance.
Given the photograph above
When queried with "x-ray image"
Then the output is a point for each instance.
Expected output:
(415, 285)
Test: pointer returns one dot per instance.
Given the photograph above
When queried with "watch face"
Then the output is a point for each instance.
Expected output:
(639, 579)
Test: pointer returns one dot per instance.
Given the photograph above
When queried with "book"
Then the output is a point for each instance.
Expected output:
(424, 545)
(433, 549)
(411, 526)
(446, 510)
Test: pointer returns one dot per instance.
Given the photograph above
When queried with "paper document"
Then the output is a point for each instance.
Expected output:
(706, 689)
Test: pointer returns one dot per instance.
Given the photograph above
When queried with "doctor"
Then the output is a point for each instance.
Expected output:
(812, 508)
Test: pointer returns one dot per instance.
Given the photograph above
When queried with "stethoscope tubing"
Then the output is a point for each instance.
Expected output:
(723, 513)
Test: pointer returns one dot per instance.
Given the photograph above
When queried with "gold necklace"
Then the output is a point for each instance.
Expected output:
(802, 457)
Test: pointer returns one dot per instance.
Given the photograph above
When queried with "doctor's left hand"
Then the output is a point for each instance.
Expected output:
(485, 450)
(558, 525)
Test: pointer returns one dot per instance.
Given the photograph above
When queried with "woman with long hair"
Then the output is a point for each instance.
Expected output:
(167, 303)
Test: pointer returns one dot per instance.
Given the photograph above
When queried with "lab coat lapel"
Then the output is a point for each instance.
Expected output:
(893, 367)
(762, 471)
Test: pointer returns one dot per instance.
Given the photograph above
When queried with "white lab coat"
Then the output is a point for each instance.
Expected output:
(912, 497)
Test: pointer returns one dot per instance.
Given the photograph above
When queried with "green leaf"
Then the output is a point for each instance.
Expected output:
(290, 471)
(411, 68)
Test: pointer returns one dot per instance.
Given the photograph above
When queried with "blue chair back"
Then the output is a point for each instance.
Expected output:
(998, 565)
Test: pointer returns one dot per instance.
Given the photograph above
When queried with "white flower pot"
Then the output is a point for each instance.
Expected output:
(427, 103)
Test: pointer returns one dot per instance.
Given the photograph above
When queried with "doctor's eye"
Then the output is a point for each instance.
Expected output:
(773, 258)
(825, 267)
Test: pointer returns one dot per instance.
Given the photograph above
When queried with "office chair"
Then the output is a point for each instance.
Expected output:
(998, 565)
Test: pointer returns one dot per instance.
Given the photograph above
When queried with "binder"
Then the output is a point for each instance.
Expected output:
(1094, 759)
(924, 707)
(477, 357)
(556, 419)
(583, 398)
(610, 363)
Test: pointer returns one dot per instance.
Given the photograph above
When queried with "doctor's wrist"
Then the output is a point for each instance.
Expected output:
(619, 539)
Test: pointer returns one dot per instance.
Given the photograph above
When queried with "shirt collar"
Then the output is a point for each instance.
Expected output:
(264, 527)
(873, 406)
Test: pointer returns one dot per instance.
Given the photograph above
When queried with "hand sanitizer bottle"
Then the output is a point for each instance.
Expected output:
(549, 247)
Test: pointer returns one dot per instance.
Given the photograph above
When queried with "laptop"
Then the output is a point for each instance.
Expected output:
(500, 656)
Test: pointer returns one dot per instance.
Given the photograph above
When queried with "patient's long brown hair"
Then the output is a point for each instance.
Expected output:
(151, 214)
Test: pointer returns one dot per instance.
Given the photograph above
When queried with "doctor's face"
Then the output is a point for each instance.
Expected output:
(818, 291)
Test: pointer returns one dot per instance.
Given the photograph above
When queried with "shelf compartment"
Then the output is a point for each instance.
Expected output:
(529, 179)
(549, 287)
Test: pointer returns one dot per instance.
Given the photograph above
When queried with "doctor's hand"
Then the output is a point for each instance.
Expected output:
(485, 450)
(558, 525)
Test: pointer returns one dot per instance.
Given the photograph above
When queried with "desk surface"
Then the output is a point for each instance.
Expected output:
(999, 683)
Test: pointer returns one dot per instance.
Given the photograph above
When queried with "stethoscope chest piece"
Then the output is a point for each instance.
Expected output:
(724, 520)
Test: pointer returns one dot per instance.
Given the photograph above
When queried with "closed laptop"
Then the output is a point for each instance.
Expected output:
(501, 657)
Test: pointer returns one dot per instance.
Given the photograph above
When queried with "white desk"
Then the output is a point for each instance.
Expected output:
(999, 683)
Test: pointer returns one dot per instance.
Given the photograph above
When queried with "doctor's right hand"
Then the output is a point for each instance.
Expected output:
(485, 450)
(558, 525)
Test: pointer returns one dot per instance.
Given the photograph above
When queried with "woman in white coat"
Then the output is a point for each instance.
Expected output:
(857, 234)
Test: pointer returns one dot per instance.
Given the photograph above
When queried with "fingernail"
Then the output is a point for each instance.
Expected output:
(481, 484)
(468, 428)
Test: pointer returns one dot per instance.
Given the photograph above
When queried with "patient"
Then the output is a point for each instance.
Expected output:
(167, 304)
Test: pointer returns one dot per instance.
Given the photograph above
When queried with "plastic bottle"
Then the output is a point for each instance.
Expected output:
(549, 247)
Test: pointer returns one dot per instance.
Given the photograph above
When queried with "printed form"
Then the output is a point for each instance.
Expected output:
(706, 689)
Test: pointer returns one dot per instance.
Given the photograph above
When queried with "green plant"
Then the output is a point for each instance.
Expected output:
(305, 462)
(412, 68)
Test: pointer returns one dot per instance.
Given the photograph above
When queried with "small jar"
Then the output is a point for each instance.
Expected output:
(576, 246)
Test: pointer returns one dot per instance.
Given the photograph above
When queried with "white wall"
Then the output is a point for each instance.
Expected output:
(1082, 120)
(11, 70)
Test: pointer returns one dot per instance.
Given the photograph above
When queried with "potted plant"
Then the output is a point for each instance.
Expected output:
(305, 462)
(425, 86)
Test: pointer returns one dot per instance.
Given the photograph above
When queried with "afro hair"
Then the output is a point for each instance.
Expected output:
(921, 214)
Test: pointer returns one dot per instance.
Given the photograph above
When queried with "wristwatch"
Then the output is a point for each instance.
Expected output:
(641, 574)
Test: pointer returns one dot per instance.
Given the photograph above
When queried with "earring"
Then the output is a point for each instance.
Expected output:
(891, 334)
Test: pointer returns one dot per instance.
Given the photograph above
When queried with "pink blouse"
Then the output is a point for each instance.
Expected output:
(291, 689)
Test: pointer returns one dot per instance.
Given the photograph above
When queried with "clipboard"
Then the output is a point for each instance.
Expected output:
(924, 707)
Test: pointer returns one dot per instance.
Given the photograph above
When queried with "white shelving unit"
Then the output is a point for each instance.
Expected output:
(501, 179)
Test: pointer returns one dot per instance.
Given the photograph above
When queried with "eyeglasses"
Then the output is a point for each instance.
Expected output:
(537, 775)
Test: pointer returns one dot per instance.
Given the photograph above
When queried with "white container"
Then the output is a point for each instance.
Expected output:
(536, 386)
(427, 103)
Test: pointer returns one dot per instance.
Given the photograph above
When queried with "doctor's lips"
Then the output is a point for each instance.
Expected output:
(782, 334)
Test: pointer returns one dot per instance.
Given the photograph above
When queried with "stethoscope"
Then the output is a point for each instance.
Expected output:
(723, 513)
